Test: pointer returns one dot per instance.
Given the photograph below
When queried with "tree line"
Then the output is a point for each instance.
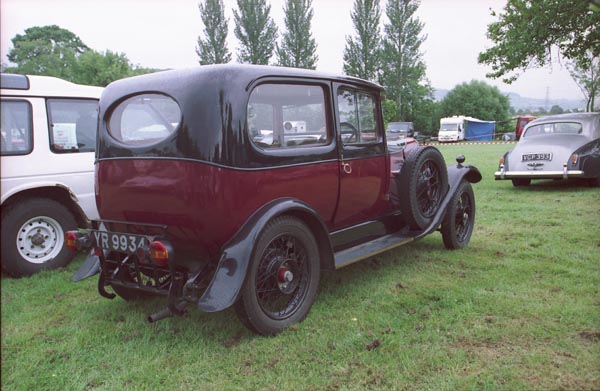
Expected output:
(387, 53)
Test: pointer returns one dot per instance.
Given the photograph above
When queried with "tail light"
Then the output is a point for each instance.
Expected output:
(77, 240)
(160, 252)
(71, 241)
(574, 159)
(501, 161)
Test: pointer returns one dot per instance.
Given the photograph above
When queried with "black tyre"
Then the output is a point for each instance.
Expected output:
(282, 279)
(518, 182)
(33, 236)
(459, 221)
(423, 185)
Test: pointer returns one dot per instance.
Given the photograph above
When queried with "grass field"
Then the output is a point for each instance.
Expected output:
(518, 309)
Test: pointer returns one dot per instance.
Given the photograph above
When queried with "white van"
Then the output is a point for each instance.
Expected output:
(48, 128)
(452, 129)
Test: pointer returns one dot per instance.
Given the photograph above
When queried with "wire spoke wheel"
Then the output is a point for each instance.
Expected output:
(283, 277)
(429, 189)
(281, 281)
(422, 185)
(459, 221)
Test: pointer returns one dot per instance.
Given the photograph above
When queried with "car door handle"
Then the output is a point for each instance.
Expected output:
(347, 168)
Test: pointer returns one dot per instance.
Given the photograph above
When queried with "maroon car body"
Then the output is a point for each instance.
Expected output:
(248, 181)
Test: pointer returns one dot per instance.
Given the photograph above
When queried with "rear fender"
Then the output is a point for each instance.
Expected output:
(229, 277)
(456, 174)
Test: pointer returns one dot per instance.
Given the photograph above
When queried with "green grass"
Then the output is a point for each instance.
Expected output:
(518, 309)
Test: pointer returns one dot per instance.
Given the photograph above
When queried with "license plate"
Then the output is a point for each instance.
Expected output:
(120, 242)
(536, 156)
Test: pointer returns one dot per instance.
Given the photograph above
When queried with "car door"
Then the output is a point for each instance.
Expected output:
(363, 169)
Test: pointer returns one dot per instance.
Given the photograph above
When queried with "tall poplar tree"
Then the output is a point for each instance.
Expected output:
(298, 47)
(362, 52)
(212, 49)
(402, 62)
(255, 30)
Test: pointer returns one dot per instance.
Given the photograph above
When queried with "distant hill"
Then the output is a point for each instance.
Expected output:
(520, 102)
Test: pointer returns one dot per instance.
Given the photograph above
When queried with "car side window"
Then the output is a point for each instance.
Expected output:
(358, 119)
(72, 124)
(16, 128)
(287, 116)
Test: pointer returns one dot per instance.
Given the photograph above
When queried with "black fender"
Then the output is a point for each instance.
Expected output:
(227, 281)
(456, 174)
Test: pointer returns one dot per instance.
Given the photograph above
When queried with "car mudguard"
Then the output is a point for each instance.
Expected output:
(456, 174)
(229, 277)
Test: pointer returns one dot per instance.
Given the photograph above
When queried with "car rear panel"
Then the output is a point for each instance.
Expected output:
(194, 200)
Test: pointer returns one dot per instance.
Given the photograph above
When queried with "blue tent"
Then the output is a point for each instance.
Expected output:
(478, 130)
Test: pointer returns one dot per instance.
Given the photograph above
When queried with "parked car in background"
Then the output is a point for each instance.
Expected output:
(555, 147)
(47, 159)
(396, 130)
(231, 207)
(521, 122)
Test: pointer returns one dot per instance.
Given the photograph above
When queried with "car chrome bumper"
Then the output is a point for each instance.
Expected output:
(564, 174)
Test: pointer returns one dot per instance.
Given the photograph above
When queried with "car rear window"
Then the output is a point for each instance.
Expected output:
(144, 119)
(288, 116)
(554, 128)
(16, 127)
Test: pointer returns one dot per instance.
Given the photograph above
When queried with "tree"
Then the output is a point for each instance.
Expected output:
(363, 52)
(99, 69)
(402, 64)
(587, 76)
(53, 51)
(213, 48)
(527, 30)
(390, 111)
(298, 47)
(255, 30)
(47, 50)
(556, 109)
(476, 99)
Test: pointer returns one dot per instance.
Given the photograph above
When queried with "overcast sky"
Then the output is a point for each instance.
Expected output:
(163, 34)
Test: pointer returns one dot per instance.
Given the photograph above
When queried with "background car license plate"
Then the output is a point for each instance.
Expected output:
(536, 156)
(113, 241)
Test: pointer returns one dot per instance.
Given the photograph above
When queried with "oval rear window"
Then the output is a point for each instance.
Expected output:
(144, 119)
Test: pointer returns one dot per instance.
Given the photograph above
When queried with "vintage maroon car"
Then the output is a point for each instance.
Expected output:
(236, 185)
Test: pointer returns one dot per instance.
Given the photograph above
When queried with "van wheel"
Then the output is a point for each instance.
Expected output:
(283, 277)
(33, 236)
(458, 223)
(423, 185)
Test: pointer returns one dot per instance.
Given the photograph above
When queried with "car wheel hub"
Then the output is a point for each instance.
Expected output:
(40, 239)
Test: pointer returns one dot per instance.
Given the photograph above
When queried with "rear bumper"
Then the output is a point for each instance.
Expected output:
(563, 174)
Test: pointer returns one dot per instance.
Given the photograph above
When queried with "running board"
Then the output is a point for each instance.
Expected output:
(371, 248)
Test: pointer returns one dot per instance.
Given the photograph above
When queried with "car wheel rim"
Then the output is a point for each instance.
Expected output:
(462, 220)
(40, 239)
(282, 277)
(428, 189)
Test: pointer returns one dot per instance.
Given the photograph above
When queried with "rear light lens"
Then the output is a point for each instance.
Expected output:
(71, 241)
(160, 252)
(77, 240)
(574, 159)
(501, 162)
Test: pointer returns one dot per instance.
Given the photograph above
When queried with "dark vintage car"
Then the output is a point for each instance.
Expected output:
(555, 147)
(237, 185)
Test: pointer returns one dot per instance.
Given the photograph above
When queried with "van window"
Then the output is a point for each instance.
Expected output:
(16, 128)
(358, 117)
(144, 119)
(287, 116)
(73, 124)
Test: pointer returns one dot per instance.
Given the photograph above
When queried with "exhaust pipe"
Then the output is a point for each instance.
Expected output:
(166, 313)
